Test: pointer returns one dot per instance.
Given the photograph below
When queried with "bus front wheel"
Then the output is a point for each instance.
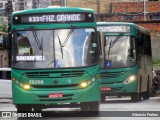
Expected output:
(147, 93)
(23, 108)
(90, 106)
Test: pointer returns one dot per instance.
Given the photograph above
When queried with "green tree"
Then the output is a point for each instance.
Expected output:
(3, 25)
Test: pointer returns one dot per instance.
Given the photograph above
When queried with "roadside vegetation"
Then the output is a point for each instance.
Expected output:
(3, 25)
(156, 63)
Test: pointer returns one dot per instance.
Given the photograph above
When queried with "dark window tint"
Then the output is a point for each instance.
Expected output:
(5, 74)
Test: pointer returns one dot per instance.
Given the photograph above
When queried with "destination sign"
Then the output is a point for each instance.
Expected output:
(53, 18)
(113, 28)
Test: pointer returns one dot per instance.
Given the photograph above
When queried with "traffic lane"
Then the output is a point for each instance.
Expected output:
(125, 104)
(91, 118)
(5, 101)
(118, 114)
(112, 104)
(75, 115)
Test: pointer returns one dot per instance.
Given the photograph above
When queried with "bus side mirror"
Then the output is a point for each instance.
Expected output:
(131, 52)
(99, 43)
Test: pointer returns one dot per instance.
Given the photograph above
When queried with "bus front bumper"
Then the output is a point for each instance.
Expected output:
(89, 94)
(119, 88)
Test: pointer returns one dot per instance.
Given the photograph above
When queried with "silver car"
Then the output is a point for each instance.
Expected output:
(5, 83)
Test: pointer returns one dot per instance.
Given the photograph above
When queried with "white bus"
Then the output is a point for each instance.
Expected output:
(5, 83)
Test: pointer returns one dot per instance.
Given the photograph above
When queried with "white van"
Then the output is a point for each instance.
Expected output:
(5, 83)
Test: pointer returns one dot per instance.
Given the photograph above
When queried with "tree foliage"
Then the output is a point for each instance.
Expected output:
(3, 25)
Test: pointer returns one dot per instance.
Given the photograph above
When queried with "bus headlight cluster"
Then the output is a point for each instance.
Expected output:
(87, 83)
(130, 79)
(24, 86)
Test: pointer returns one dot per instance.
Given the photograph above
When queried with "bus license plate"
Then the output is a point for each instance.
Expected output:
(105, 89)
(55, 95)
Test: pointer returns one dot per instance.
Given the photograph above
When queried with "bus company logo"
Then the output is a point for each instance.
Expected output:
(55, 81)
(6, 114)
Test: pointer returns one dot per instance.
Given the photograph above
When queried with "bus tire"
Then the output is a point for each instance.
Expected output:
(23, 108)
(147, 93)
(153, 91)
(146, 96)
(119, 96)
(37, 109)
(136, 97)
(90, 106)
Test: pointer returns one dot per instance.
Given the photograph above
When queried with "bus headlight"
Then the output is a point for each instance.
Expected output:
(130, 79)
(89, 82)
(26, 87)
(84, 84)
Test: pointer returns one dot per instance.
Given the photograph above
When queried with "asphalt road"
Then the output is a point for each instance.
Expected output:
(112, 109)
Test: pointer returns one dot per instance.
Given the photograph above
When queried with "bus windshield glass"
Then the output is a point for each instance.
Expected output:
(61, 48)
(120, 54)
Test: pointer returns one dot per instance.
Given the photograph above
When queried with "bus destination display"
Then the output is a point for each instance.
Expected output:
(53, 18)
(113, 28)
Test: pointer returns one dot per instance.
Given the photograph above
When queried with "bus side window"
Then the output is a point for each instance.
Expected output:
(141, 48)
(139, 39)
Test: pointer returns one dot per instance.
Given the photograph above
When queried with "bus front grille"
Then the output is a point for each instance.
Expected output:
(49, 100)
(55, 74)
(111, 74)
(56, 86)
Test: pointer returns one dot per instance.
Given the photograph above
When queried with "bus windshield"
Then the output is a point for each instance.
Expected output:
(61, 48)
(120, 54)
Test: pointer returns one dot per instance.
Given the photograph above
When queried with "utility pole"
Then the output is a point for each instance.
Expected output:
(8, 8)
(65, 3)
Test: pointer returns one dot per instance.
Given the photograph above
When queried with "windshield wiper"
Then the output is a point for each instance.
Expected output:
(60, 46)
(37, 40)
(112, 43)
(39, 44)
(69, 34)
(66, 40)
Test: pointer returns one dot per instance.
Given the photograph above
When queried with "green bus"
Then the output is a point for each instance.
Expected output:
(125, 60)
(54, 59)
